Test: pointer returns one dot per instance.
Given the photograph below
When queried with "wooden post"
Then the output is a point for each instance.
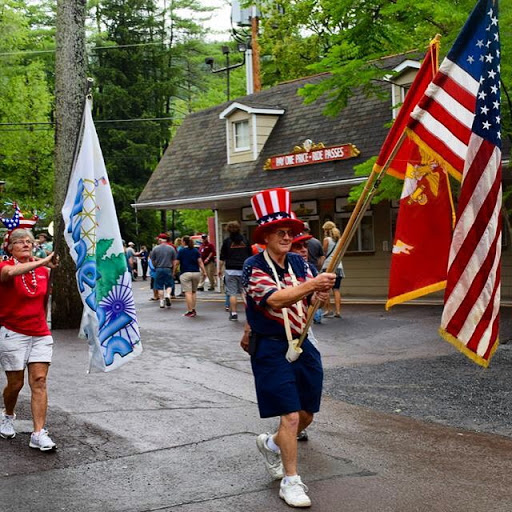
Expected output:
(256, 78)
(70, 85)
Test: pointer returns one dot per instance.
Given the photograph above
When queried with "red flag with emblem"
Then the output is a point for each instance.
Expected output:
(423, 231)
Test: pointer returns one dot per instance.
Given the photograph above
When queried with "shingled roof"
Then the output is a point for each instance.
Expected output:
(194, 166)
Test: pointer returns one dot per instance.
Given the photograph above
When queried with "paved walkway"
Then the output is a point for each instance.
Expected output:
(175, 429)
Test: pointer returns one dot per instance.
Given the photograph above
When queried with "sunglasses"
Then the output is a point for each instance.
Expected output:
(281, 233)
(300, 245)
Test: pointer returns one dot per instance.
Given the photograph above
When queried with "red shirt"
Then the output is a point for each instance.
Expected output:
(207, 252)
(20, 311)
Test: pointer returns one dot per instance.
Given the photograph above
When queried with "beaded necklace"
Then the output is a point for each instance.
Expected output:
(34, 280)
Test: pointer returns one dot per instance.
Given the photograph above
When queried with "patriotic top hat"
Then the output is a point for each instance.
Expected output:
(273, 210)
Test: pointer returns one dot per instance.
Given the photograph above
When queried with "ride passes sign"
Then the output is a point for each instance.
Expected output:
(316, 155)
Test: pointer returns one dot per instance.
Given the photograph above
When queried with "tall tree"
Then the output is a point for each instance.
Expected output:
(26, 135)
(70, 88)
(144, 61)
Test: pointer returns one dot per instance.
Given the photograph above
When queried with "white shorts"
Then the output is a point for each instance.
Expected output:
(17, 350)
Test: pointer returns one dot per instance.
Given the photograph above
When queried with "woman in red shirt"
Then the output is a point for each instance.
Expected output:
(25, 339)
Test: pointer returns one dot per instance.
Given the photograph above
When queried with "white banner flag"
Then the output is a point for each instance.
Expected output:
(109, 320)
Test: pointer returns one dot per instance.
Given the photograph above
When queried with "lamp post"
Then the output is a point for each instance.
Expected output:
(210, 61)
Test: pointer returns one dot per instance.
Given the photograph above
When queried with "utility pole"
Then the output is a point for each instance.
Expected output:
(70, 90)
(255, 50)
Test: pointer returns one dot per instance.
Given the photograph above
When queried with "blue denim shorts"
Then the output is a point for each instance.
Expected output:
(163, 278)
(283, 387)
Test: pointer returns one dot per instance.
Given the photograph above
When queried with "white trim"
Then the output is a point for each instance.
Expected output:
(404, 66)
(169, 204)
(254, 137)
(250, 110)
(218, 243)
(228, 144)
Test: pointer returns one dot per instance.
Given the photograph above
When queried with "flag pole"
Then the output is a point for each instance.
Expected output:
(372, 184)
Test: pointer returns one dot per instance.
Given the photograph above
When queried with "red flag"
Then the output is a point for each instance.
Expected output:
(423, 232)
(398, 165)
(458, 122)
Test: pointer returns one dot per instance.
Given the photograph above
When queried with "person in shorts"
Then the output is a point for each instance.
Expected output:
(163, 257)
(25, 339)
(234, 251)
(192, 268)
(278, 288)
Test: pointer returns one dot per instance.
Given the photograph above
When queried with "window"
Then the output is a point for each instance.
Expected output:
(398, 97)
(241, 135)
(363, 240)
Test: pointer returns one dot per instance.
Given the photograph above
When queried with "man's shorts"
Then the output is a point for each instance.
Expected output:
(17, 350)
(190, 281)
(283, 387)
(233, 284)
(163, 278)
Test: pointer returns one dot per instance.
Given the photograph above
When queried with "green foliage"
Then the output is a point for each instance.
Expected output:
(390, 188)
(345, 38)
(151, 70)
(191, 222)
(26, 152)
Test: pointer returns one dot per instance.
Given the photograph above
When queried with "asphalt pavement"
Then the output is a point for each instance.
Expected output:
(407, 423)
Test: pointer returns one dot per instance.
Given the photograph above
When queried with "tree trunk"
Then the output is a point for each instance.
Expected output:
(70, 88)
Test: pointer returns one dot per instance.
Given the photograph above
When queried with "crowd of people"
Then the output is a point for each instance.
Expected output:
(165, 267)
(283, 273)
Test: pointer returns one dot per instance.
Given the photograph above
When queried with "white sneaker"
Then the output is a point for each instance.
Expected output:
(293, 491)
(273, 461)
(7, 426)
(41, 441)
(162, 303)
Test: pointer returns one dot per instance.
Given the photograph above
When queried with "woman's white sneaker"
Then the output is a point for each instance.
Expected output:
(293, 491)
(41, 441)
(7, 430)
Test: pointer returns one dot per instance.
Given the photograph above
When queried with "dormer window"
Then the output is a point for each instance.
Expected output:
(247, 130)
(401, 82)
(241, 135)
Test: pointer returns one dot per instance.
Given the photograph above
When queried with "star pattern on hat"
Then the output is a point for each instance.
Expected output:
(273, 217)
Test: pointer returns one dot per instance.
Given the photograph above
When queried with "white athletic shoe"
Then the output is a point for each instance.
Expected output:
(273, 461)
(41, 441)
(294, 492)
(7, 426)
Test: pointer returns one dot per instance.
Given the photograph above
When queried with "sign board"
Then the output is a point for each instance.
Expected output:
(314, 156)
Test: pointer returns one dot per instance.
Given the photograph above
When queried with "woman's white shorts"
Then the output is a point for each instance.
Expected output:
(17, 350)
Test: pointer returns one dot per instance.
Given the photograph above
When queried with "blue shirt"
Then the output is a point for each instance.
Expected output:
(188, 260)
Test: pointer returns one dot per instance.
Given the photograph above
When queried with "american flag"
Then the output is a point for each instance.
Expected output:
(458, 121)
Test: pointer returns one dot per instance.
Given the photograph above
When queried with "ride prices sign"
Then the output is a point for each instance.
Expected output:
(310, 153)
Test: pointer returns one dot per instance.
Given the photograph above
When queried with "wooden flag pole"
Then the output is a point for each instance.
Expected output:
(370, 189)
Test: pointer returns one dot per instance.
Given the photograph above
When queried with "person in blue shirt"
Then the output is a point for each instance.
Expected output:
(191, 268)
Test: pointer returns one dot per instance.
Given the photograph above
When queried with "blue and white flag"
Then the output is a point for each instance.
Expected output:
(91, 230)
